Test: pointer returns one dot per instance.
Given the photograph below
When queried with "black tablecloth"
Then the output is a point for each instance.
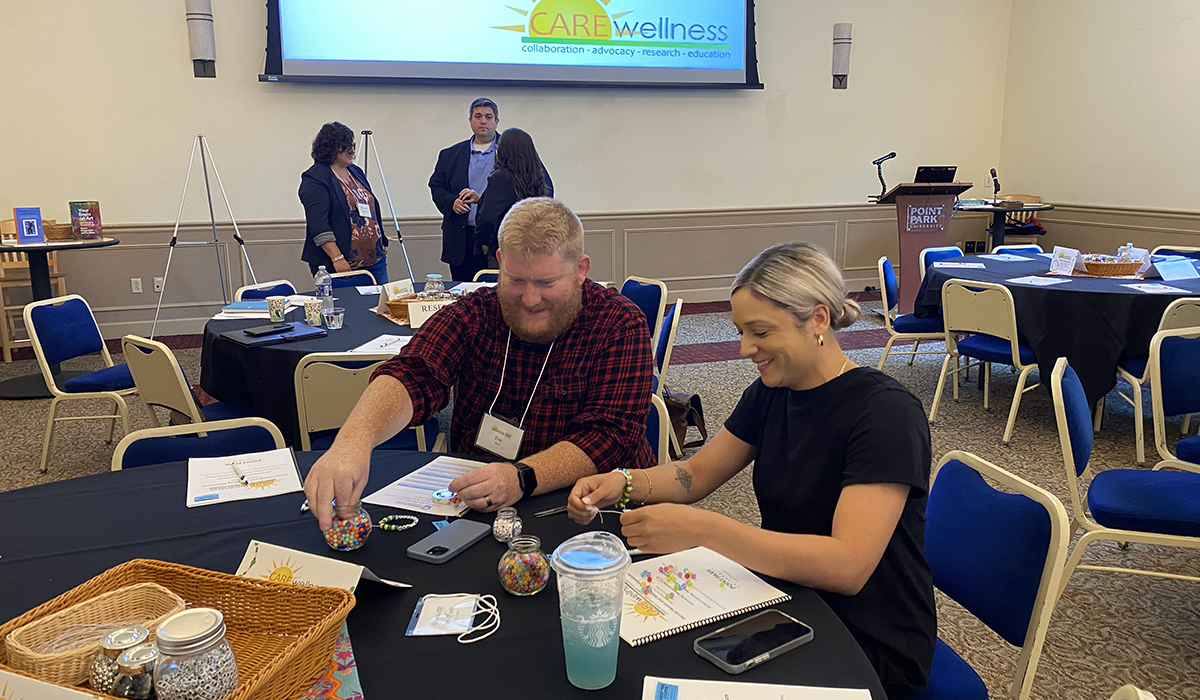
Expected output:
(1094, 322)
(114, 517)
(263, 377)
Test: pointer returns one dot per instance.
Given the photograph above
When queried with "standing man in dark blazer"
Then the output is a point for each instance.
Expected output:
(461, 173)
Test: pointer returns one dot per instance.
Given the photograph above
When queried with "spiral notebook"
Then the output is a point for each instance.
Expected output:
(681, 591)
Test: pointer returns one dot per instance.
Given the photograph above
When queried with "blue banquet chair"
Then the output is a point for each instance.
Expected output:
(161, 382)
(904, 327)
(266, 289)
(487, 276)
(658, 427)
(929, 256)
(353, 278)
(1185, 251)
(1000, 555)
(1017, 248)
(178, 443)
(61, 329)
(651, 297)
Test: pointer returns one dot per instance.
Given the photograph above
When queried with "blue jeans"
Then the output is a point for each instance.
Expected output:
(379, 270)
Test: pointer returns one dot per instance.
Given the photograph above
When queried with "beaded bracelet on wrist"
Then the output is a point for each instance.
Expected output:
(624, 502)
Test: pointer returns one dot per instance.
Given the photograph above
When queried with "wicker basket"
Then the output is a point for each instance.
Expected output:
(145, 604)
(283, 635)
(57, 232)
(1112, 269)
(399, 307)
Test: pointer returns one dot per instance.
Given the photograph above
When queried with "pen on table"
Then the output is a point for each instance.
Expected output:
(241, 477)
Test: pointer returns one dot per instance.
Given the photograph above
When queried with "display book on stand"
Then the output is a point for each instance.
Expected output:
(923, 211)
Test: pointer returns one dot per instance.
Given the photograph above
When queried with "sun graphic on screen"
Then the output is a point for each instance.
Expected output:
(643, 609)
(566, 19)
(283, 572)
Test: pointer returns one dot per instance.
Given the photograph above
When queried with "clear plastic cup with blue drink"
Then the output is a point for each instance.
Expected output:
(591, 583)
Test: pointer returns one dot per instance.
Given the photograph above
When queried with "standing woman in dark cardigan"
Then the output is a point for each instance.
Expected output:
(343, 224)
(518, 174)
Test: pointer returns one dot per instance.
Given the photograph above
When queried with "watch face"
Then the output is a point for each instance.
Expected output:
(526, 478)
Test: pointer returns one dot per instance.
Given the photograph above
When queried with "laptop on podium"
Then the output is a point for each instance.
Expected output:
(935, 173)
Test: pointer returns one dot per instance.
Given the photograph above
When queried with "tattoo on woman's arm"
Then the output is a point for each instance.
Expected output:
(684, 479)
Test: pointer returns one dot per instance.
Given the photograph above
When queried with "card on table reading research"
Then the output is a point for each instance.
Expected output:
(241, 477)
(415, 491)
(654, 688)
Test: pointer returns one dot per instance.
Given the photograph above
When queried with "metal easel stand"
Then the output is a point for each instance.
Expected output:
(366, 134)
(205, 157)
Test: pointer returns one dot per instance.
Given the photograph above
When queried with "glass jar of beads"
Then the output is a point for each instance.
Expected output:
(434, 287)
(103, 671)
(135, 673)
(523, 569)
(350, 528)
(195, 661)
(507, 524)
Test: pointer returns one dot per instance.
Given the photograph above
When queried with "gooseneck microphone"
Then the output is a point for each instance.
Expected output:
(889, 156)
(878, 163)
(995, 183)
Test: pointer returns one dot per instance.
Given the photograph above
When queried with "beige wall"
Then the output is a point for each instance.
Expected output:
(1101, 102)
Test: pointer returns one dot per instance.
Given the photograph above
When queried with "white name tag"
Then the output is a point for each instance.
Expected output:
(364, 211)
(1064, 260)
(499, 437)
(420, 311)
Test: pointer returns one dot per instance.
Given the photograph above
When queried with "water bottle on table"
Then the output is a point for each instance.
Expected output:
(324, 286)
(591, 583)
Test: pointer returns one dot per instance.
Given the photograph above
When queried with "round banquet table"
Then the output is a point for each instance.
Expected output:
(523, 659)
(1094, 322)
(262, 377)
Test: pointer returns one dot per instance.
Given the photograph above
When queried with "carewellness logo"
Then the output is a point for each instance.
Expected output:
(568, 26)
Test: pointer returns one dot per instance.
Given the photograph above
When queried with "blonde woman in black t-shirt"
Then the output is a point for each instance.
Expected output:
(841, 470)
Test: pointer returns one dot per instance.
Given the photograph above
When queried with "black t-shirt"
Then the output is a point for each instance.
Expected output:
(861, 428)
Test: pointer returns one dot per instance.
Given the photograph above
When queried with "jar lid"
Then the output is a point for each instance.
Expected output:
(124, 638)
(189, 631)
(591, 555)
(138, 659)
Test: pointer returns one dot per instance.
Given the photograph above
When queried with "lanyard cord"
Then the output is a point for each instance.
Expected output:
(504, 367)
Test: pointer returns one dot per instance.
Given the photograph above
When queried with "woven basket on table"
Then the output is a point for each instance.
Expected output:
(283, 635)
(145, 604)
(399, 307)
(1112, 269)
(57, 232)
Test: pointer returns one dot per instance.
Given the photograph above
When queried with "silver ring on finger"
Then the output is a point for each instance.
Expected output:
(488, 500)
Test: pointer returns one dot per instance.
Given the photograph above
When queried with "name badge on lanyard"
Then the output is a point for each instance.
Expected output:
(363, 210)
(497, 435)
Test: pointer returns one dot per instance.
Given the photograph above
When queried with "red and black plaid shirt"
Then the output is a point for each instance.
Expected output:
(595, 392)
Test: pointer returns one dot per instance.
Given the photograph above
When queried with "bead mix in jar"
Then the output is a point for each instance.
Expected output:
(135, 673)
(103, 671)
(195, 660)
(523, 569)
(507, 524)
(350, 528)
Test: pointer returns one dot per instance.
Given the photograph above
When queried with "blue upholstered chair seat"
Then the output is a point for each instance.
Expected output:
(1188, 449)
(277, 290)
(989, 348)
(1166, 502)
(403, 440)
(911, 323)
(179, 448)
(225, 411)
(951, 678)
(1136, 366)
(115, 378)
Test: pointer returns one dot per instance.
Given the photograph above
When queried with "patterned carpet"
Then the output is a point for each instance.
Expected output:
(1108, 630)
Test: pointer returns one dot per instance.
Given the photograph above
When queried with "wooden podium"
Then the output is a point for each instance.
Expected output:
(923, 211)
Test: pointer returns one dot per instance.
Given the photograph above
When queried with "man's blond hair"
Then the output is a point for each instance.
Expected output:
(541, 226)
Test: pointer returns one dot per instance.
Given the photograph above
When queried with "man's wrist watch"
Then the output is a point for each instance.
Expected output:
(526, 478)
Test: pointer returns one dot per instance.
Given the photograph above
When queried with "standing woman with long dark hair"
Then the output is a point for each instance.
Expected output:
(519, 174)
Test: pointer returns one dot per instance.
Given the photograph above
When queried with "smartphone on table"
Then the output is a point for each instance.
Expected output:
(445, 544)
(753, 640)
(268, 330)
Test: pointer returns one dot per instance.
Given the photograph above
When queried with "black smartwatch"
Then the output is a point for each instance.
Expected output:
(526, 478)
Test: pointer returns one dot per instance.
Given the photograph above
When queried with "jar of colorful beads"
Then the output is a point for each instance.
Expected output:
(350, 528)
(523, 569)
(507, 524)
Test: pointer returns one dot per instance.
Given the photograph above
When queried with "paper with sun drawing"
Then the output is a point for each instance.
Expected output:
(264, 560)
(237, 478)
(680, 591)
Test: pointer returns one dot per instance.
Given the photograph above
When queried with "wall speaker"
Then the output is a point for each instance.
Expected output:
(841, 54)
(201, 43)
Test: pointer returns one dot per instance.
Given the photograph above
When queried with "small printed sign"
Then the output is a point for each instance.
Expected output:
(1064, 261)
(420, 311)
(932, 217)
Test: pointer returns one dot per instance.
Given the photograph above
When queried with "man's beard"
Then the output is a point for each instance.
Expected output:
(560, 317)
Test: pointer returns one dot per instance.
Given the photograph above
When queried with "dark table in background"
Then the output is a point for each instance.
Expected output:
(33, 386)
(1094, 322)
(118, 516)
(1000, 213)
(263, 377)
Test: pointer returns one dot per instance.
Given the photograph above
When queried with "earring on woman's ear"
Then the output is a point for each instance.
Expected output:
(820, 340)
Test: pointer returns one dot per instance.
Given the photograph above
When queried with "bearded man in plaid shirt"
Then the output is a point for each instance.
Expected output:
(553, 376)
